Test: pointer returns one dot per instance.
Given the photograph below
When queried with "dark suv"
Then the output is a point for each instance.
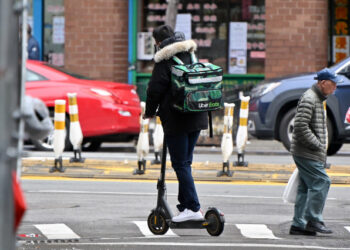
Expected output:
(273, 105)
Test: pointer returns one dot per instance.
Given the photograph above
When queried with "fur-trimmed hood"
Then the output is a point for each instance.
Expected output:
(168, 51)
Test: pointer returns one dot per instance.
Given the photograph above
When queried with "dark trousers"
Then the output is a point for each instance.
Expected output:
(181, 153)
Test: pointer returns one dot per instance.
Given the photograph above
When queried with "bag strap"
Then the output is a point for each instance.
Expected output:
(210, 124)
(193, 58)
(177, 60)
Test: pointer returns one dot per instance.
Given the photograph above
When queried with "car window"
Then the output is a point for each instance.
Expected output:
(344, 70)
(68, 72)
(31, 76)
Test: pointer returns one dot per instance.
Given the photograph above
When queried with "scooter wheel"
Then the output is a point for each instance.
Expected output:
(157, 223)
(215, 224)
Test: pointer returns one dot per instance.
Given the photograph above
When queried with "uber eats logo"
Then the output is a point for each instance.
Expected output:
(214, 104)
(208, 105)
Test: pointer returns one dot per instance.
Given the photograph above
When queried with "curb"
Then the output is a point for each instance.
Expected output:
(112, 169)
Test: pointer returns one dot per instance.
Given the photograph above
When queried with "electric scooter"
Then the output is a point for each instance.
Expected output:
(159, 221)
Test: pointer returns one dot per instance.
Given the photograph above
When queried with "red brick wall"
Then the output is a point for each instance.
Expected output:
(296, 36)
(96, 38)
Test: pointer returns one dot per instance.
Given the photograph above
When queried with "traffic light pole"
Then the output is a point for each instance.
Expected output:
(9, 106)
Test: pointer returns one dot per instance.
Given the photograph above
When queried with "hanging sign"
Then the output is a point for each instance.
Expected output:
(145, 46)
(58, 30)
(237, 63)
(183, 24)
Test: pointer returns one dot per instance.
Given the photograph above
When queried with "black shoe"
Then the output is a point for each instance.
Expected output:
(53, 169)
(300, 231)
(317, 226)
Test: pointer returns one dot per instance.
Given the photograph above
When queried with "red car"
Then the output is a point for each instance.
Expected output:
(108, 111)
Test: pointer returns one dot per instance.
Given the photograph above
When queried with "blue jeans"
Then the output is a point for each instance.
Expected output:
(181, 153)
(312, 191)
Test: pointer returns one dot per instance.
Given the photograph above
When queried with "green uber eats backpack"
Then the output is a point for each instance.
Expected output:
(196, 87)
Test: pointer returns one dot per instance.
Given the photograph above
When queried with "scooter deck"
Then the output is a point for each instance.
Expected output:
(188, 224)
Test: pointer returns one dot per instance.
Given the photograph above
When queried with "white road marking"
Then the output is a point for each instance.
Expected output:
(142, 225)
(57, 231)
(256, 231)
(347, 228)
(211, 245)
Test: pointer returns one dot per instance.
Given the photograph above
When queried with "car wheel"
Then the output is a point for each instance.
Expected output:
(286, 128)
(334, 147)
(46, 144)
(91, 146)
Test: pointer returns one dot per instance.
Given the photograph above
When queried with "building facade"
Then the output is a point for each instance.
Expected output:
(250, 39)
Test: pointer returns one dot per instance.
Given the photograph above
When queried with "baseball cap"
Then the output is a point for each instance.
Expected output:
(326, 74)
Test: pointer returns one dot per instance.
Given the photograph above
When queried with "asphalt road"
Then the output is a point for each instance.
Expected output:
(112, 214)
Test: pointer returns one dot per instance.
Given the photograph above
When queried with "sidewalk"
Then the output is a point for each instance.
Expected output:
(112, 169)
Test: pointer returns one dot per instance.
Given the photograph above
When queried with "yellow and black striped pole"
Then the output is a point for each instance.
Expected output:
(242, 132)
(59, 135)
(158, 136)
(227, 142)
(142, 147)
(75, 133)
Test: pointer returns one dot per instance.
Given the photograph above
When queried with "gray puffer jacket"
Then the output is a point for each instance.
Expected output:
(310, 129)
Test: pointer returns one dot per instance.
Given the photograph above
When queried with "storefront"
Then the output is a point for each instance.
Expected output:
(229, 33)
(250, 39)
(339, 30)
(47, 21)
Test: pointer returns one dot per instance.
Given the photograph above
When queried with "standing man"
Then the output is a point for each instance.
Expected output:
(309, 151)
(181, 130)
(33, 46)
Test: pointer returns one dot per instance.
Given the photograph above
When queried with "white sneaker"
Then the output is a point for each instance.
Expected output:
(188, 214)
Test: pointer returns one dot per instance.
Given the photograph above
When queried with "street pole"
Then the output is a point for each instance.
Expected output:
(171, 12)
(9, 99)
(23, 82)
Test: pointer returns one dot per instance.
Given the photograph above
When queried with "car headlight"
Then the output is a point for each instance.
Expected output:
(124, 113)
(101, 92)
(264, 89)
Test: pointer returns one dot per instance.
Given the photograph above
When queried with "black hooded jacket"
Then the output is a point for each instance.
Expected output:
(159, 92)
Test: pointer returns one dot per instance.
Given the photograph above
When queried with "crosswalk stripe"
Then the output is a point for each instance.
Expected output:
(256, 231)
(57, 231)
(347, 228)
(142, 225)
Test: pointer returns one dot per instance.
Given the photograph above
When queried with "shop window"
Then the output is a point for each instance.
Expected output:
(54, 32)
(340, 32)
(210, 22)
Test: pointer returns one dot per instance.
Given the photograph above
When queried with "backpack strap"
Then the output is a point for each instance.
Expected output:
(178, 60)
(193, 58)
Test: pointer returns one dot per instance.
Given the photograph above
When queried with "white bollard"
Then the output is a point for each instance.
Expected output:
(59, 134)
(75, 133)
(158, 136)
(242, 132)
(226, 142)
(142, 147)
